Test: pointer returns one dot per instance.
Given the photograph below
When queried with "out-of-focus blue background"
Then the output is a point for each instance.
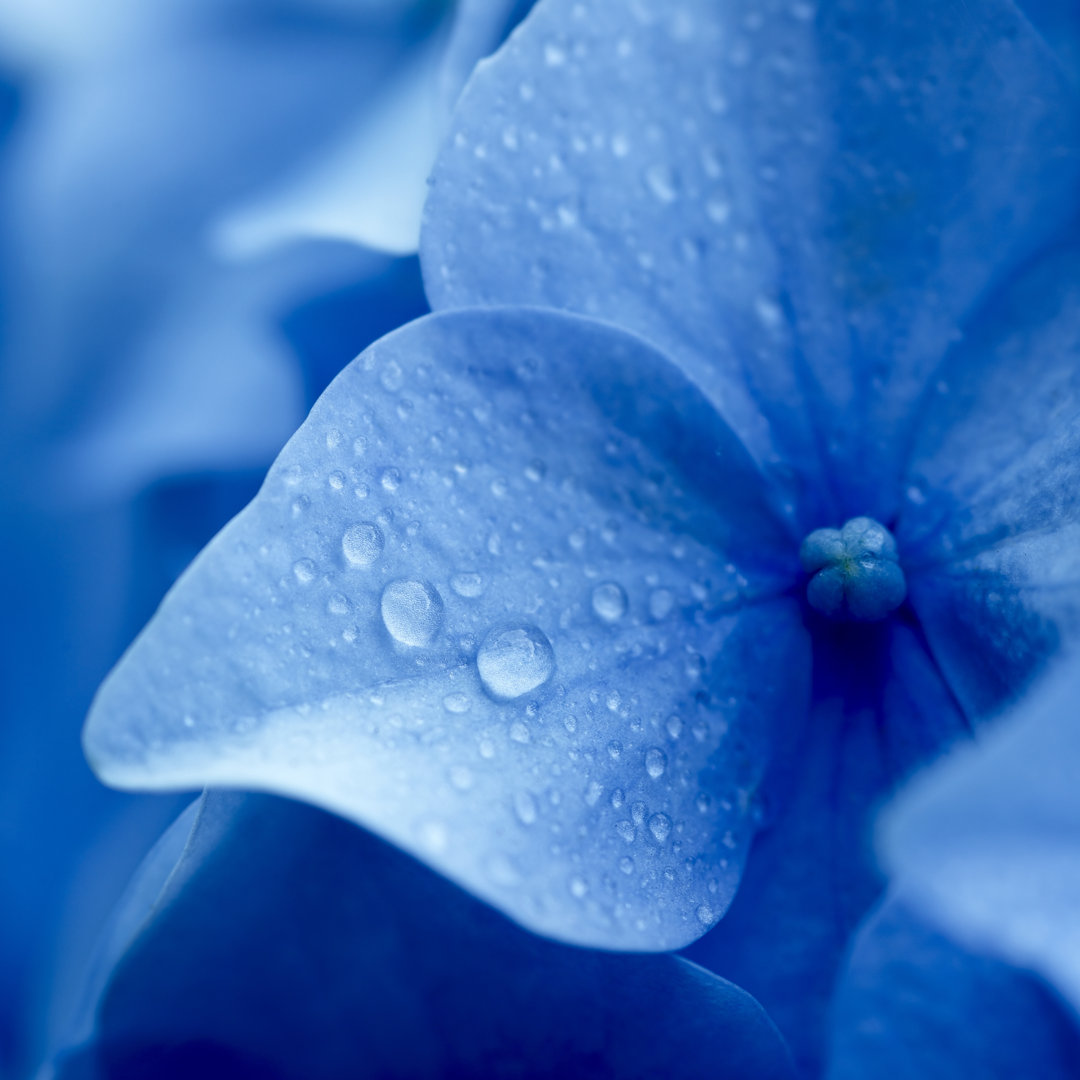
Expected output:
(206, 210)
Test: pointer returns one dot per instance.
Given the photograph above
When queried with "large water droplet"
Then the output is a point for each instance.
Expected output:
(609, 601)
(362, 543)
(412, 611)
(513, 660)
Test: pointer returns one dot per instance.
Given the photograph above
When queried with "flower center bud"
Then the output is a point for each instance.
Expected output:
(854, 571)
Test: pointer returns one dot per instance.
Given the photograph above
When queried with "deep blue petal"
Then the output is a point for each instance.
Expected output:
(987, 843)
(290, 943)
(800, 203)
(990, 528)
(880, 711)
(913, 1005)
(511, 597)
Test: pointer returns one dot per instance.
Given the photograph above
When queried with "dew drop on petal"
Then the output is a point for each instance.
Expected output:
(513, 660)
(412, 612)
(467, 585)
(304, 571)
(660, 827)
(655, 762)
(609, 601)
(456, 703)
(362, 543)
(525, 807)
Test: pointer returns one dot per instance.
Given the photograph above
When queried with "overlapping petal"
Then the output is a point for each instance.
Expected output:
(991, 520)
(987, 843)
(800, 203)
(881, 709)
(513, 598)
(913, 1005)
(287, 943)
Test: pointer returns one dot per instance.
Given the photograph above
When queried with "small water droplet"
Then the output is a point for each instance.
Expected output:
(638, 810)
(514, 660)
(525, 807)
(390, 478)
(660, 827)
(412, 612)
(457, 703)
(304, 571)
(625, 831)
(467, 585)
(662, 182)
(674, 726)
(660, 603)
(618, 797)
(578, 887)
(626, 864)
(338, 604)
(609, 601)
(519, 732)
(705, 914)
(655, 762)
(391, 376)
(362, 543)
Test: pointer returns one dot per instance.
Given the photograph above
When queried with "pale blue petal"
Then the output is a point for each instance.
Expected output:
(987, 843)
(122, 166)
(913, 1005)
(512, 598)
(880, 711)
(990, 527)
(211, 384)
(369, 187)
(288, 944)
(799, 202)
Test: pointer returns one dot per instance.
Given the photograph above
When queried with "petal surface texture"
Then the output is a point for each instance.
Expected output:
(289, 944)
(990, 525)
(987, 843)
(800, 203)
(512, 597)
(913, 1005)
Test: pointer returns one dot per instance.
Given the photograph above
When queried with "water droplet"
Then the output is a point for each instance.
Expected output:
(655, 762)
(468, 585)
(674, 726)
(412, 611)
(578, 887)
(336, 480)
(391, 376)
(626, 864)
(660, 827)
(660, 603)
(519, 732)
(663, 183)
(625, 831)
(706, 916)
(638, 810)
(338, 604)
(513, 660)
(304, 571)
(609, 601)
(457, 703)
(525, 807)
(390, 478)
(362, 543)
(718, 211)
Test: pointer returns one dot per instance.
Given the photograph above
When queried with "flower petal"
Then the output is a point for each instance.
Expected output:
(992, 514)
(913, 1005)
(510, 598)
(987, 843)
(292, 945)
(880, 710)
(840, 185)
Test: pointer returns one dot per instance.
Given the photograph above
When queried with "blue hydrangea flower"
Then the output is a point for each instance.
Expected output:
(264, 938)
(524, 594)
(986, 844)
